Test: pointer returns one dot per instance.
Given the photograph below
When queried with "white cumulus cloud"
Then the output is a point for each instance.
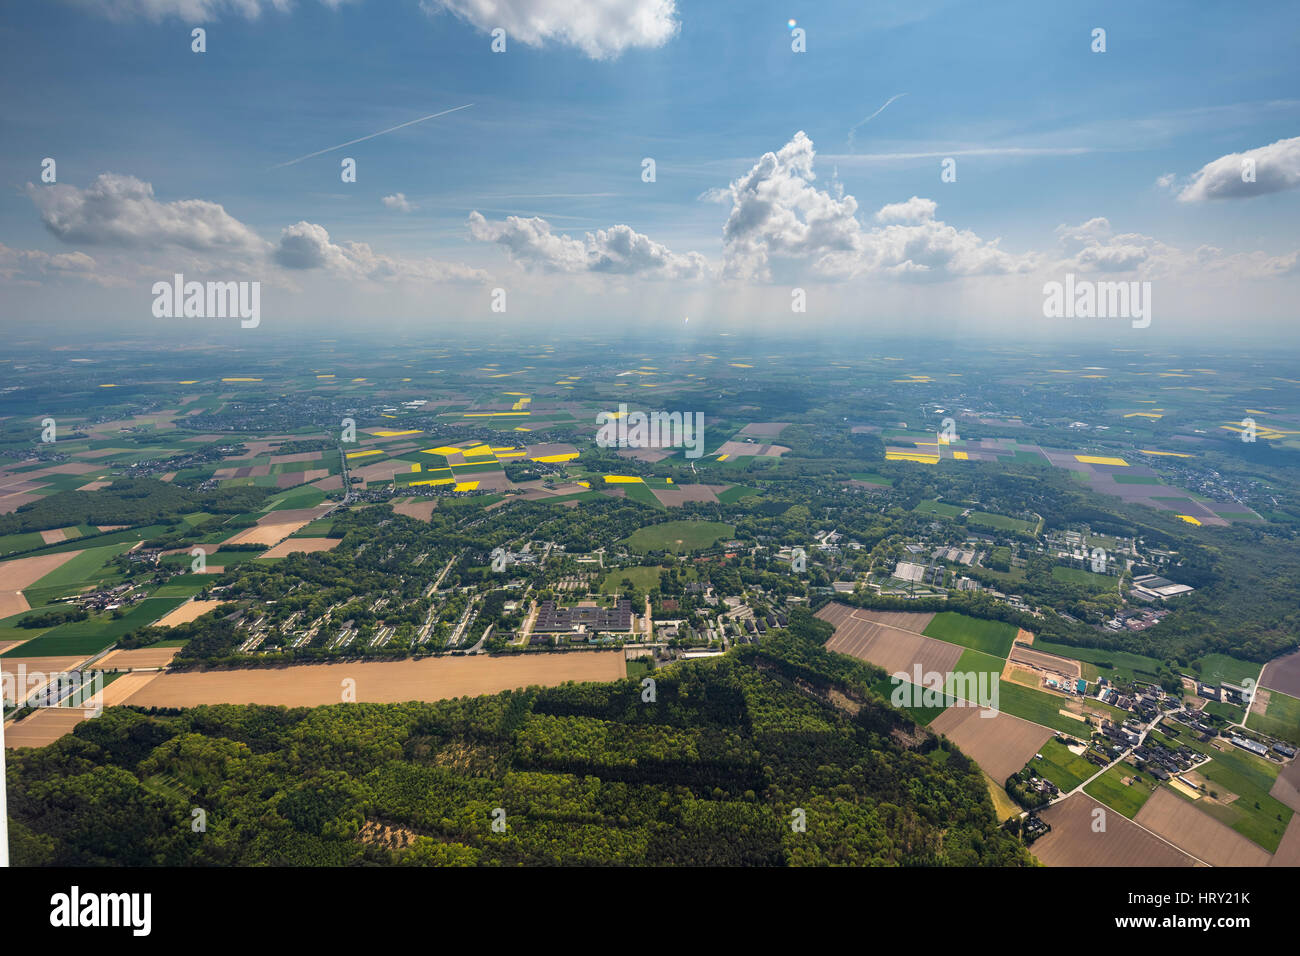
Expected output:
(306, 245)
(122, 210)
(1094, 246)
(602, 29)
(1276, 167)
(398, 201)
(618, 250)
(782, 226)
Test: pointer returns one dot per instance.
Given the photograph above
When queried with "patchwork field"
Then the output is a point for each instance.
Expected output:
(1276, 713)
(1286, 788)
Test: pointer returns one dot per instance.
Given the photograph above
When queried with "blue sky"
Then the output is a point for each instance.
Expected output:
(1046, 134)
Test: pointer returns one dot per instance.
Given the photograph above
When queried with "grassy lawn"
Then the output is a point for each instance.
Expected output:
(638, 668)
(1213, 668)
(1109, 788)
(1094, 582)
(678, 536)
(987, 519)
(937, 508)
(645, 578)
(991, 637)
(871, 477)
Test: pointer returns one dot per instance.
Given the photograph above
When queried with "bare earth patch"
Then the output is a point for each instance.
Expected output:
(420, 508)
(24, 572)
(1000, 744)
(301, 546)
(189, 611)
(1073, 842)
(121, 660)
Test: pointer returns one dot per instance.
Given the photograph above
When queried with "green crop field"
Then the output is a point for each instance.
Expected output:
(83, 638)
(1123, 664)
(912, 697)
(20, 542)
(1281, 719)
(678, 536)
(987, 519)
(1038, 706)
(735, 493)
(991, 637)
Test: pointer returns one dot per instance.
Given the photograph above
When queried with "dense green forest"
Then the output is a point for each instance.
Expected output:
(722, 767)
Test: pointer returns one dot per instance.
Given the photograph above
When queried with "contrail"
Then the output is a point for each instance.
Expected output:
(854, 127)
(373, 135)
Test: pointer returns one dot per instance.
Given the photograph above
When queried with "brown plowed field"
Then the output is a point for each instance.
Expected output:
(1288, 851)
(121, 660)
(893, 649)
(1045, 661)
(23, 572)
(1072, 841)
(1287, 786)
(1283, 674)
(301, 546)
(431, 678)
(1000, 744)
(1203, 836)
(678, 495)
